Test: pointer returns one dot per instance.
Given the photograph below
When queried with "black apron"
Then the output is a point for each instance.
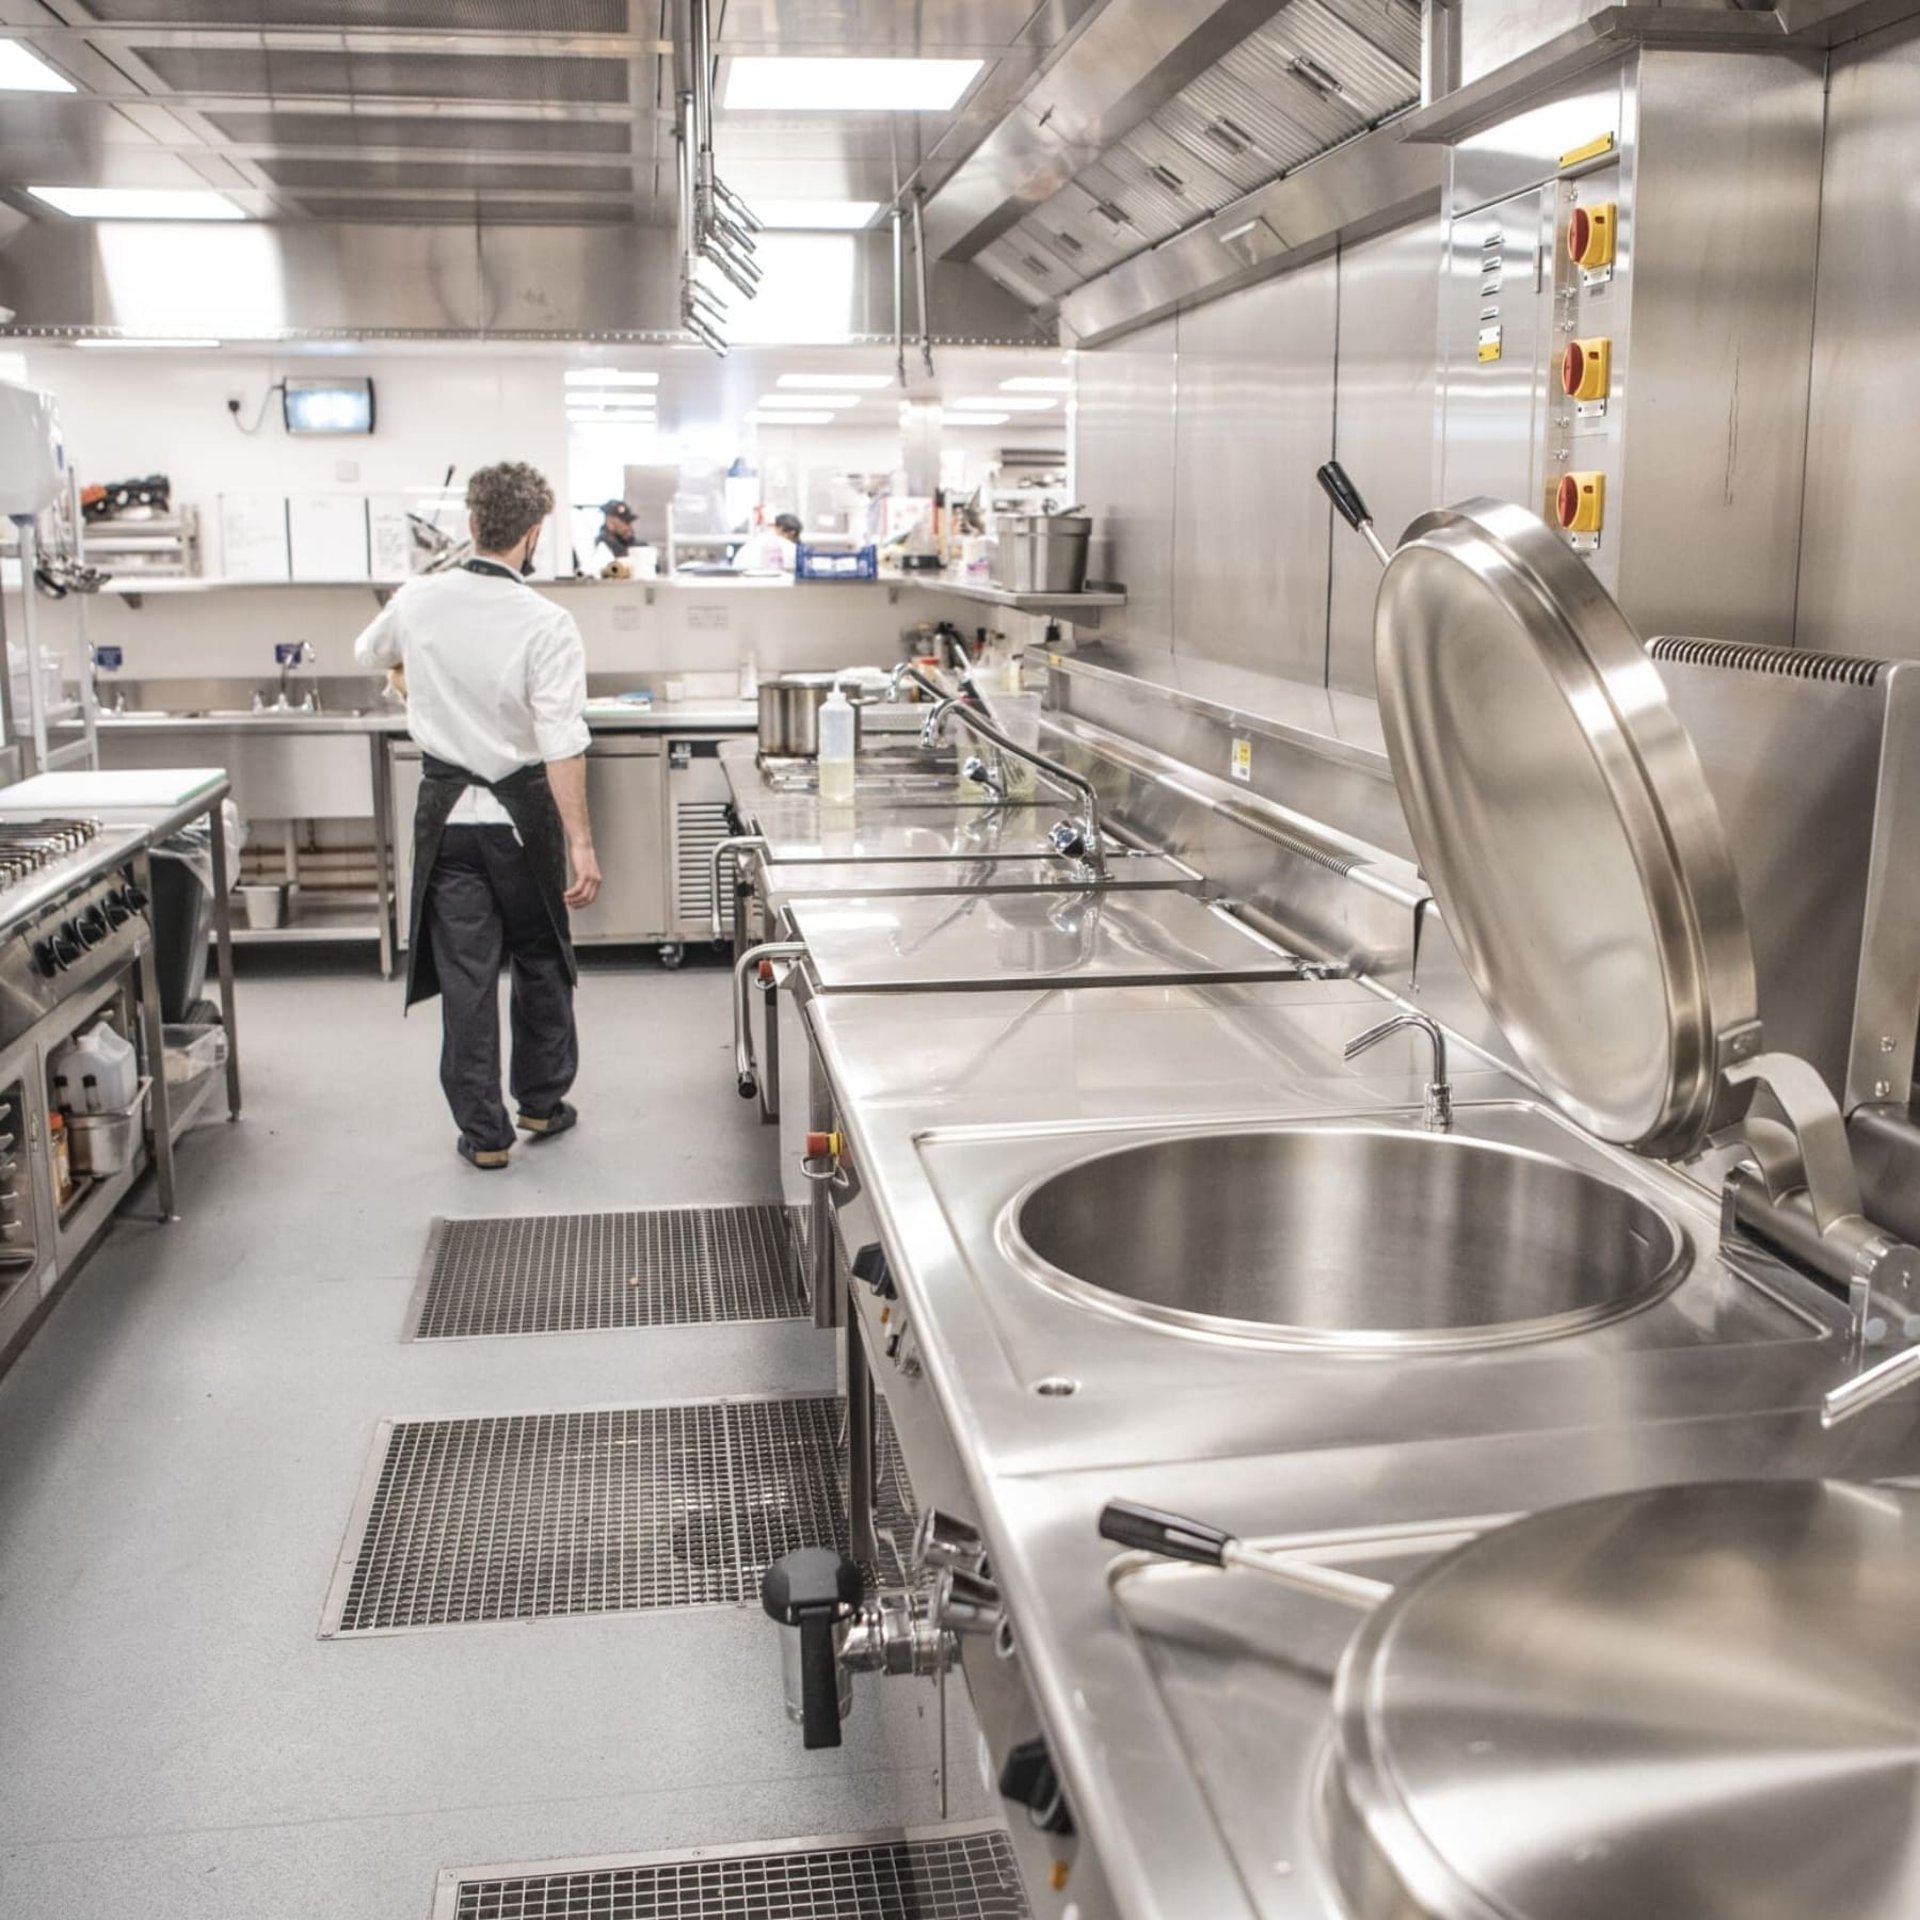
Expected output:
(529, 804)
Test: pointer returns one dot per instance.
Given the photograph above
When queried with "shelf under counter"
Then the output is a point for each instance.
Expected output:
(1081, 609)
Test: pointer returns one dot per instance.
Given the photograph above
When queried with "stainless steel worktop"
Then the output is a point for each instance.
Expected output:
(1187, 1708)
(603, 716)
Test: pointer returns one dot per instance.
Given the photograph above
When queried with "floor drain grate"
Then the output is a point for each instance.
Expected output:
(528, 1516)
(954, 1874)
(582, 1272)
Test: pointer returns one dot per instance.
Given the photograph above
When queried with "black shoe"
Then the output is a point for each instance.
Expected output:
(543, 1126)
(487, 1159)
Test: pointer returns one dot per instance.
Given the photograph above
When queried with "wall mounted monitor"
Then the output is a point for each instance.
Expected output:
(328, 406)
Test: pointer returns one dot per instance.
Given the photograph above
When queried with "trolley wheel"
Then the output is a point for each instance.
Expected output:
(672, 953)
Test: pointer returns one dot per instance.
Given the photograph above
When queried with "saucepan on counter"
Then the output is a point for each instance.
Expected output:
(790, 706)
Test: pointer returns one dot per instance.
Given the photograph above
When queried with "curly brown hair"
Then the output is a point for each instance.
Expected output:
(507, 501)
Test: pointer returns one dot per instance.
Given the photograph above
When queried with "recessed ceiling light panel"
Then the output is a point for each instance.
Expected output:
(24, 72)
(978, 419)
(790, 417)
(1037, 383)
(835, 382)
(777, 84)
(138, 203)
(1003, 402)
(771, 401)
(609, 377)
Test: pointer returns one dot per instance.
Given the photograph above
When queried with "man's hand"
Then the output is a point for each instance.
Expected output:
(586, 874)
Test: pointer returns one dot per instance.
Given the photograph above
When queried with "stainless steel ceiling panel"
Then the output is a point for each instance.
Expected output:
(287, 74)
(347, 174)
(462, 210)
(887, 26)
(451, 16)
(429, 131)
(1308, 45)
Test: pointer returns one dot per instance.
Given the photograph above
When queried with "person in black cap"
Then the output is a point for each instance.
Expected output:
(616, 529)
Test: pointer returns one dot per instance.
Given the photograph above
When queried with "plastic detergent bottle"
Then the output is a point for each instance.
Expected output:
(836, 748)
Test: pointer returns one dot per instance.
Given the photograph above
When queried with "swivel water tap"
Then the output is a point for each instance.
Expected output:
(1437, 1114)
(1080, 839)
(288, 655)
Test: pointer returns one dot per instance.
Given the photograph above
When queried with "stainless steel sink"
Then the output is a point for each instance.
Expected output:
(1354, 1237)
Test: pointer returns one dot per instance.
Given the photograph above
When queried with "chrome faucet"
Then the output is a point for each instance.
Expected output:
(299, 653)
(1437, 1115)
(1080, 840)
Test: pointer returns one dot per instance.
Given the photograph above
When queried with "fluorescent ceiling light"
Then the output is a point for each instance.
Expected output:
(139, 203)
(1005, 403)
(1037, 383)
(773, 400)
(786, 85)
(144, 346)
(818, 216)
(978, 419)
(24, 72)
(609, 377)
(790, 417)
(836, 382)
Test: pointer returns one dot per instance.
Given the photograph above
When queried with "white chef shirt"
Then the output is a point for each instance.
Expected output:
(496, 677)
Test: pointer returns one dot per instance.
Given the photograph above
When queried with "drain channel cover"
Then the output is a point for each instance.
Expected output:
(526, 1516)
(582, 1272)
(943, 1874)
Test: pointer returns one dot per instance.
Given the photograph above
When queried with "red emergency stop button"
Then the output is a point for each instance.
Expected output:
(1590, 235)
(823, 1146)
(1580, 501)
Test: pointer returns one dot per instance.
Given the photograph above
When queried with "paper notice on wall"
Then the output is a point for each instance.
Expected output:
(407, 531)
(327, 536)
(253, 537)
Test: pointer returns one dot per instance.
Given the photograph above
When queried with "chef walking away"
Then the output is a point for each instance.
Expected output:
(496, 685)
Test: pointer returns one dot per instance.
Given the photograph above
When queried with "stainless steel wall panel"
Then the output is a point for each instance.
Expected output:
(1383, 419)
(1251, 527)
(1726, 211)
(1494, 33)
(1123, 468)
(1859, 565)
(1495, 298)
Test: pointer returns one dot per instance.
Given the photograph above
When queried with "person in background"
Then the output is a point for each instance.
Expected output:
(616, 529)
(496, 684)
(771, 549)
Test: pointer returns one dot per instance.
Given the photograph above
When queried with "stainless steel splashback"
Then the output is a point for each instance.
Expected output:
(1814, 762)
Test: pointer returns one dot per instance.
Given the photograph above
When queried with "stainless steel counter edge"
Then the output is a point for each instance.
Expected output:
(688, 717)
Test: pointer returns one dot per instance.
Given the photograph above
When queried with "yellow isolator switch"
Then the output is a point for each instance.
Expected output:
(1580, 502)
(1590, 235)
(1586, 368)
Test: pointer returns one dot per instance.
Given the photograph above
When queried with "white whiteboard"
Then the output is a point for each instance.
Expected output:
(253, 537)
(327, 536)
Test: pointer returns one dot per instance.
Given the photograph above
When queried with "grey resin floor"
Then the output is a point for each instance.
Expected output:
(181, 1444)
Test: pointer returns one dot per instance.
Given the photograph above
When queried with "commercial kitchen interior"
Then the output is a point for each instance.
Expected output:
(1278, 1276)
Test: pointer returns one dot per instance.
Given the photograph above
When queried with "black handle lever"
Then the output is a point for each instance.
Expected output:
(1344, 494)
(1172, 1534)
(814, 1589)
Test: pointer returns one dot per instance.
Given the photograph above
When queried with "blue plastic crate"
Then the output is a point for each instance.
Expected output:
(823, 563)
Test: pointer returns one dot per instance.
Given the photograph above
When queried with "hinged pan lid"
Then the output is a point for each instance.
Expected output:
(1565, 826)
(1697, 1702)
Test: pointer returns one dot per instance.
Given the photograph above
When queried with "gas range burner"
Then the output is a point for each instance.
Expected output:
(26, 846)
